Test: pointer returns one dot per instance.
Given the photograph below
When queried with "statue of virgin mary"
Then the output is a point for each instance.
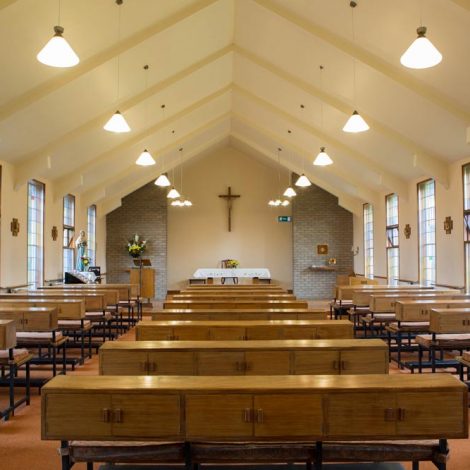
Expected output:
(81, 244)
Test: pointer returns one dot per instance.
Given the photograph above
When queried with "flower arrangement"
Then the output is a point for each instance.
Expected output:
(232, 263)
(136, 246)
(85, 261)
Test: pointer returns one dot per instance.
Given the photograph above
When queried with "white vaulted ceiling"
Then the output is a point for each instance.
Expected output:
(233, 72)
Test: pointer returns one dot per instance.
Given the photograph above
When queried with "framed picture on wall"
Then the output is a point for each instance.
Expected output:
(322, 249)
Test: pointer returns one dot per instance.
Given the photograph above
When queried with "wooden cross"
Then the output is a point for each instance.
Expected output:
(229, 197)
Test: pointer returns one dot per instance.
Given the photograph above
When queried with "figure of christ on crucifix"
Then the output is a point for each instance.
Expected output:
(229, 198)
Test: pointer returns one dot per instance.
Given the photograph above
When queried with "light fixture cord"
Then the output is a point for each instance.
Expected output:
(146, 69)
(58, 19)
(279, 170)
(421, 12)
(321, 102)
(181, 170)
(353, 6)
(119, 55)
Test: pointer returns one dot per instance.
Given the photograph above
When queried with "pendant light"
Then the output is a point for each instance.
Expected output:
(162, 181)
(302, 180)
(290, 191)
(58, 52)
(173, 193)
(422, 54)
(117, 123)
(322, 159)
(355, 123)
(145, 158)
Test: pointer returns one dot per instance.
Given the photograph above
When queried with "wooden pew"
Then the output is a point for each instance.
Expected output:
(344, 293)
(243, 330)
(11, 361)
(449, 330)
(362, 298)
(241, 314)
(419, 310)
(234, 286)
(274, 357)
(231, 297)
(227, 304)
(254, 290)
(251, 409)
(31, 318)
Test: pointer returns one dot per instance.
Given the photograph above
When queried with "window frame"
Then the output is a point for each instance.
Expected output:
(420, 277)
(91, 248)
(392, 246)
(368, 250)
(71, 231)
(466, 234)
(41, 272)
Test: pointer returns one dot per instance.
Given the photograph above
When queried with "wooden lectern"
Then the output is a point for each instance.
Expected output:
(144, 276)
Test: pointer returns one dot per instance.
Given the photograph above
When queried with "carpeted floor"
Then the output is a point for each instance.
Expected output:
(21, 447)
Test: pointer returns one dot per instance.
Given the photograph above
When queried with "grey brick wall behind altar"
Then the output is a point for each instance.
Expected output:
(317, 220)
(143, 212)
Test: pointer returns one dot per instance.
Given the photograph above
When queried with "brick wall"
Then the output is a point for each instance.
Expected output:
(318, 220)
(143, 212)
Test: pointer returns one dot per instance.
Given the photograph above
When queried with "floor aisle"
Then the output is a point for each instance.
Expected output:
(21, 447)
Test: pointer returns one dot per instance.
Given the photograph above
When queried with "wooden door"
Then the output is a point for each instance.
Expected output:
(220, 363)
(263, 332)
(288, 415)
(364, 362)
(267, 362)
(429, 414)
(191, 333)
(123, 363)
(77, 416)
(145, 415)
(367, 415)
(227, 333)
(299, 332)
(212, 416)
(316, 362)
(171, 363)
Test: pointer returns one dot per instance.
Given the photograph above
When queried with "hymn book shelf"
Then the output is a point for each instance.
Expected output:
(346, 292)
(243, 330)
(232, 408)
(274, 357)
(221, 304)
(30, 318)
(230, 296)
(66, 309)
(362, 298)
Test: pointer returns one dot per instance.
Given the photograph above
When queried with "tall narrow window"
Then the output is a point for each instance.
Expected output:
(466, 223)
(91, 228)
(368, 240)
(392, 229)
(36, 193)
(427, 231)
(69, 232)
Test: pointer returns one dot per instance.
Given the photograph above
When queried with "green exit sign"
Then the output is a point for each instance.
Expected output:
(284, 218)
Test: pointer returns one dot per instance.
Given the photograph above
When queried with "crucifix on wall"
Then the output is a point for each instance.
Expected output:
(229, 197)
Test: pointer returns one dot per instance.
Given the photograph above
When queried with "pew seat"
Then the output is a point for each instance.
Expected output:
(444, 341)
(466, 356)
(408, 327)
(75, 324)
(18, 355)
(37, 337)
(99, 316)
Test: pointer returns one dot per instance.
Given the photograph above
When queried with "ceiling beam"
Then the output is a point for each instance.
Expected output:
(67, 76)
(393, 72)
(34, 162)
(463, 3)
(113, 201)
(6, 3)
(360, 188)
(93, 195)
(349, 203)
(384, 178)
(337, 103)
(64, 184)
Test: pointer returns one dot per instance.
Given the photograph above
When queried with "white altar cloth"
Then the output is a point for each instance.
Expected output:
(203, 273)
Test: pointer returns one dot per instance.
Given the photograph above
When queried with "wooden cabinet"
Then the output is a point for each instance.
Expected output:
(274, 357)
(219, 416)
(250, 330)
(316, 362)
(221, 363)
(287, 415)
(267, 362)
(405, 406)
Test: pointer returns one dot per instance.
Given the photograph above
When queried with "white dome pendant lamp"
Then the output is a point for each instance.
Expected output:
(356, 123)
